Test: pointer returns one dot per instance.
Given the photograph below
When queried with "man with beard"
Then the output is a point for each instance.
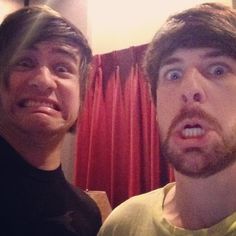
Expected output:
(191, 67)
(44, 61)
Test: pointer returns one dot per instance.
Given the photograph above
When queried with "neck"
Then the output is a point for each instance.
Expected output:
(40, 150)
(201, 203)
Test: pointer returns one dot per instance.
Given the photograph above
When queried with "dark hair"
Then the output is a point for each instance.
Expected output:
(207, 25)
(30, 25)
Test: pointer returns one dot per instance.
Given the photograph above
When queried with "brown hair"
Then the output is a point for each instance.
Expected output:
(207, 25)
(30, 25)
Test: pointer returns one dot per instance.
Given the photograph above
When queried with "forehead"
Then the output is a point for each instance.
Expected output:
(53, 48)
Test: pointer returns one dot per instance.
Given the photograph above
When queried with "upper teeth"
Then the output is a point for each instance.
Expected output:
(193, 132)
(37, 104)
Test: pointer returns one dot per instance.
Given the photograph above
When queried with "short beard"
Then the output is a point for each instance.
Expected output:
(216, 156)
(217, 159)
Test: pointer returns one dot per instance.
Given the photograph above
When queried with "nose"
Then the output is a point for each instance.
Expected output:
(193, 90)
(43, 80)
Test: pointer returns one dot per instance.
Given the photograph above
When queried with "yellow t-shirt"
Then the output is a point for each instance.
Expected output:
(142, 215)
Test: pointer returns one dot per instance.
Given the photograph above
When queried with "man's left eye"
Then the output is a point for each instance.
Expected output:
(62, 69)
(218, 70)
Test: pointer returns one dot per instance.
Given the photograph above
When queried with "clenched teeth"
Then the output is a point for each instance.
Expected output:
(193, 132)
(38, 104)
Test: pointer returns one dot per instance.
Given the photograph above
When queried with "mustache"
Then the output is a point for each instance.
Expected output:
(189, 113)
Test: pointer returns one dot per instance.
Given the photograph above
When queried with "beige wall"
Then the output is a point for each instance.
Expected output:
(7, 6)
(120, 24)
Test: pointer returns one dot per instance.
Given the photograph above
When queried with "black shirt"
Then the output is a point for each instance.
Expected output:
(35, 202)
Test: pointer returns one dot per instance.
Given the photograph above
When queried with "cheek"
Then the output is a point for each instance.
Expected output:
(225, 109)
(166, 111)
(163, 122)
(228, 120)
(72, 99)
(7, 97)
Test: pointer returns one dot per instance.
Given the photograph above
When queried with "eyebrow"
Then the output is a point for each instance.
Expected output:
(169, 61)
(214, 53)
(70, 52)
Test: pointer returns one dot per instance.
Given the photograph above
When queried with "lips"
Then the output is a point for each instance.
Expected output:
(39, 103)
(192, 128)
(193, 131)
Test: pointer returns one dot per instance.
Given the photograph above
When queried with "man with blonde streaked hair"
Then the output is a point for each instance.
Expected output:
(44, 62)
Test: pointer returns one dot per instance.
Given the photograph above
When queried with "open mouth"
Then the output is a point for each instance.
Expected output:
(37, 104)
(193, 131)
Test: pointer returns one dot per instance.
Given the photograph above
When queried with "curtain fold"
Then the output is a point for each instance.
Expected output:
(117, 143)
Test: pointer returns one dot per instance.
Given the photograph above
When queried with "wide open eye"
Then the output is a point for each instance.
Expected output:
(172, 75)
(218, 70)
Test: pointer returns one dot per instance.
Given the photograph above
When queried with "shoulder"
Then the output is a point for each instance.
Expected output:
(144, 201)
(136, 211)
(141, 201)
(86, 202)
(88, 209)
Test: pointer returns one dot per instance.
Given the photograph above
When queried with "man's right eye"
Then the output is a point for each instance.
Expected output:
(172, 75)
(24, 64)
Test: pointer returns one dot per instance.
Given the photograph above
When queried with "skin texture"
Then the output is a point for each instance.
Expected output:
(41, 100)
(195, 88)
(197, 118)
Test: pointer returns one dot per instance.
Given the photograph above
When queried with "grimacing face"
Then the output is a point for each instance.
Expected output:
(196, 111)
(43, 89)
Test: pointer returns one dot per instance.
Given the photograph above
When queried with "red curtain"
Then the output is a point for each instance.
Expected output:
(117, 143)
